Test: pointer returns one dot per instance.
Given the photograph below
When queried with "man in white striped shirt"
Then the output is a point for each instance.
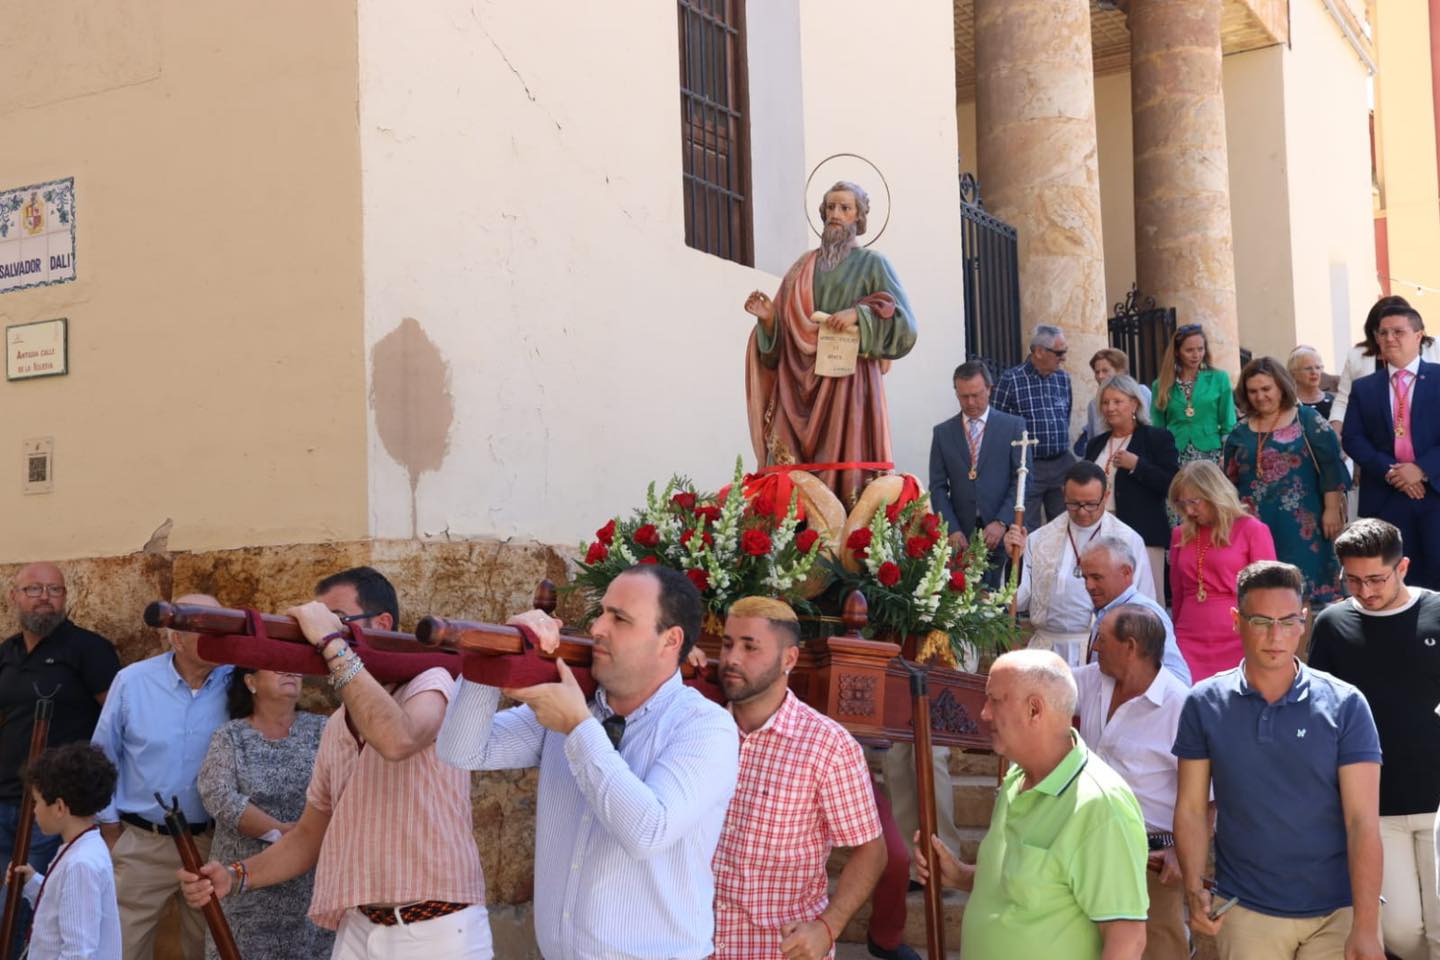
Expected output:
(387, 827)
(633, 788)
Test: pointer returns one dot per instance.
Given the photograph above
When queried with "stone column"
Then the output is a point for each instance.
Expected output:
(1184, 248)
(1035, 120)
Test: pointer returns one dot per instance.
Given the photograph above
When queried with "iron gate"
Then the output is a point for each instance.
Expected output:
(992, 283)
(1142, 331)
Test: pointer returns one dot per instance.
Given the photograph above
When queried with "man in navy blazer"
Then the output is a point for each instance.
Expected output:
(1392, 432)
(976, 489)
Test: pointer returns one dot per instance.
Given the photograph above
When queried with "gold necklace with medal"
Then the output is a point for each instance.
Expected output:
(1188, 388)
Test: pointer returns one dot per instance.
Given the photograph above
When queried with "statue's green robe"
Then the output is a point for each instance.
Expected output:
(797, 417)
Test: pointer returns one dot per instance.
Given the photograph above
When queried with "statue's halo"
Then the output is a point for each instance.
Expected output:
(845, 167)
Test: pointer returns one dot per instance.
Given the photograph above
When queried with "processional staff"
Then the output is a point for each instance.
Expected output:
(1024, 443)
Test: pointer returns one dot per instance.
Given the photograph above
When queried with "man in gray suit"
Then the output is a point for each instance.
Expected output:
(973, 465)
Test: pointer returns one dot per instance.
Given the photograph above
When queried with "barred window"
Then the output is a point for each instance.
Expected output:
(714, 128)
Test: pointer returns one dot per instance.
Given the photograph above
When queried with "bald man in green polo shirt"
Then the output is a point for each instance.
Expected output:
(1061, 872)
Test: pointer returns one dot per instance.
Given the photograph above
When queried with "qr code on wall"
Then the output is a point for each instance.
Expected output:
(39, 469)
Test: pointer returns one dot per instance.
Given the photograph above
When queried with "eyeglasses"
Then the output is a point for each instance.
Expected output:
(1058, 353)
(1310, 369)
(1291, 624)
(1379, 580)
(1186, 503)
(40, 589)
(1085, 506)
(353, 617)
(1394, 334)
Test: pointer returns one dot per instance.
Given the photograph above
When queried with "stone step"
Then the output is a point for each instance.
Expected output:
(974, 800)
(954, 903)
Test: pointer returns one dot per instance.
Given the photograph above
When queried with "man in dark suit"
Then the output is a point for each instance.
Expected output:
(972, 466)
(1392, 432)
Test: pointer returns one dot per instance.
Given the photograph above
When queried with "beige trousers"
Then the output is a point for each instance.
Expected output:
(898, 767)
(145, 881)
(1165, 928)
(1248, 935)
(1410, 917)
(1070, 646)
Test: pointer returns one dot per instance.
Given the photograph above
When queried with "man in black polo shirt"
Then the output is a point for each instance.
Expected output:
(1386, 641)
(52, 655)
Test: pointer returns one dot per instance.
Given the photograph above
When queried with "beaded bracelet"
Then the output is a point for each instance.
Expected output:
(242, 877)
(330, 638)
(339, 682)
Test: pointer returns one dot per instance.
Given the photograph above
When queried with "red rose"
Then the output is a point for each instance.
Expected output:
(700, 578)
(647, 536)
(930, 525)
(957, 580)
(888, 574)
(918, 546)
(649, 561)
(763, 505)
(709, 513)
(606, 534)
(596, 553)
(755, 542)
(684, 500)
(805, 539)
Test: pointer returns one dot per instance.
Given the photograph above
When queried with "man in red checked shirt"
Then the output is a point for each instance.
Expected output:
(803, 789)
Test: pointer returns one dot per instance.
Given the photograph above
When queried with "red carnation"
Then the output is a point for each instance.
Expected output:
(647, 536)
(957, 580)
(892, 512)
(805, 539)
(918, 546)
(755, 542)
(763, 505)
(888, 574)
(859, 539)
(684, 500)
(606, 534)
(700, 578)
(710, 513)
(649, 561)
(596, 553)
(930, 525)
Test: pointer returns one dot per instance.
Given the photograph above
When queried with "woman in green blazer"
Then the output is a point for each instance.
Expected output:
(1192, 400)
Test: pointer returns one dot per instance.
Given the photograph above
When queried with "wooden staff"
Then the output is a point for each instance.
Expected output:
(194, 618)
(925, 795)
(20, 854)
(190, 860)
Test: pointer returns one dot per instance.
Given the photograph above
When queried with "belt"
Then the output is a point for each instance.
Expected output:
(410, 913)
(1161, 840)
(135, 820)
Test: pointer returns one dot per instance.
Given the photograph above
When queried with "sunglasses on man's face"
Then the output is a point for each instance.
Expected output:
(355, 617)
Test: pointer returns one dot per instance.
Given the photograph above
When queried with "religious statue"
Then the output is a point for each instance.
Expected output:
(798, 416)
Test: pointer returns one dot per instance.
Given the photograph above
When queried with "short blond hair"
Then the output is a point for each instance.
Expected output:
(1211, 485)
(766, 607)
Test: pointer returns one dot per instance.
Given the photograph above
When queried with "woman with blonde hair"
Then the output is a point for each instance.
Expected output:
(1191, 398)
(1215, 540)
(1306, 368)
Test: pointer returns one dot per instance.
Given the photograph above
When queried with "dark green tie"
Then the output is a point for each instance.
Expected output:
(614, 729)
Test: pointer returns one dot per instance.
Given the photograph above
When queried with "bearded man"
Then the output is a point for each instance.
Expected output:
(50, 656)
(795, 415)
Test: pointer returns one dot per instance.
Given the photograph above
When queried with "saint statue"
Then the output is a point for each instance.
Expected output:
(797, 416)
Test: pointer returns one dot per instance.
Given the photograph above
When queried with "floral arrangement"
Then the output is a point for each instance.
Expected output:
(729, 546)
(916, 584)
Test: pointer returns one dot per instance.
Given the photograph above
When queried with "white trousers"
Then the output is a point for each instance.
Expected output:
(1410, 917)
(463, 935)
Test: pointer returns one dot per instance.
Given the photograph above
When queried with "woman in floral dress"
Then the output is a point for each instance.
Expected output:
(1284, 460)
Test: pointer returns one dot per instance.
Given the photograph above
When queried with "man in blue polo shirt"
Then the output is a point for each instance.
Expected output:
(1295, 761)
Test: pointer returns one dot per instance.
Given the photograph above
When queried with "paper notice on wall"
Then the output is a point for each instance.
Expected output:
(836, 351)
(37, 235)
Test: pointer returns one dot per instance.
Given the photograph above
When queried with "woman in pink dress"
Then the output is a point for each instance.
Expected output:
(1216, 539)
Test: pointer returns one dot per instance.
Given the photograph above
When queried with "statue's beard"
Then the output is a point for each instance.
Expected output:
(835, 244)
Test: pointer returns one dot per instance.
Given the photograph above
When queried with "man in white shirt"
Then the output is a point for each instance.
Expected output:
(1129, 711)
(1108, 567)
(1052, 586)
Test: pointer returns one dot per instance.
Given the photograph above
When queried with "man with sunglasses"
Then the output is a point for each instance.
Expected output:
(1294, 758)
(1052, 583)
(1039, 391)
(51, 656)
(1386, 641)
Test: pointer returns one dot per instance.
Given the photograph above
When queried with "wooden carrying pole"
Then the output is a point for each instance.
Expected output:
(190, 860)
(39, 738)
(925, 795)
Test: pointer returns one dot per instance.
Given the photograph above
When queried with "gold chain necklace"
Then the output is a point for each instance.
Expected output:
(1200, 549)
